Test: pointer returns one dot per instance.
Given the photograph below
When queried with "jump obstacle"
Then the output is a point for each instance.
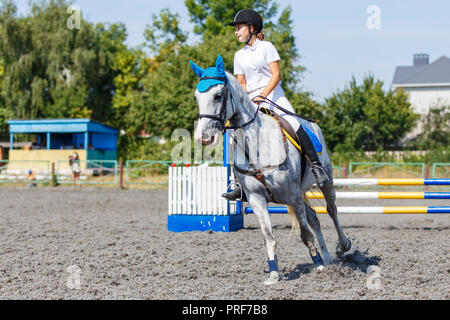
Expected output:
(195, 201)
(196, 204)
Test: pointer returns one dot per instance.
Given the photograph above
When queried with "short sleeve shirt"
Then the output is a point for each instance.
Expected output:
(253, 62)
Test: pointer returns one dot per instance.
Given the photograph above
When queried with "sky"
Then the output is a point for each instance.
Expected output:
(336, 40)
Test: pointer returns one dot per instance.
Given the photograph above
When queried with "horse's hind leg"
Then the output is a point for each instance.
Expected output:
(314, 223)
(306, 235)
(330, 197)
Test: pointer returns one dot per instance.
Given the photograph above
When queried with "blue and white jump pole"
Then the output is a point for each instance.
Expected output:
(380, 195)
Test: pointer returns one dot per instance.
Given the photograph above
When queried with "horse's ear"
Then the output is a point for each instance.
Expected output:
(197, 70)
(220, 65)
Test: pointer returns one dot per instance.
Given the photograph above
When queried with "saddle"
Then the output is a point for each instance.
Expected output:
(286, 129)
(291, 135)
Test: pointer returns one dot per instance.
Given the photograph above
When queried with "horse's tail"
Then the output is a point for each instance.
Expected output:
(294, 221)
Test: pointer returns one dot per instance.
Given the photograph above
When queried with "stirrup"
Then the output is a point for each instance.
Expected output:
(320, 175)
(227, 196)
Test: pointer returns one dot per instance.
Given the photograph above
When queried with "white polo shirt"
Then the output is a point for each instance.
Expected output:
(253, 62)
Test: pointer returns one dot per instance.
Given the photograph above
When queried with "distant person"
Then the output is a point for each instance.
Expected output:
(35, 144)
(81, 146)
(31, 178)
(74, 162)
(90, 146)
(63, 146)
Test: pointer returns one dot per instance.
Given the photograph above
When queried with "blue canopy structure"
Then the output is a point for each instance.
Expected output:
(99, 140)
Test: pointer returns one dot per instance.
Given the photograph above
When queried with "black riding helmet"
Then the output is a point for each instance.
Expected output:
(250, 17)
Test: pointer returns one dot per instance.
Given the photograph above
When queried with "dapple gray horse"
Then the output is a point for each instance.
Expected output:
(221, 98)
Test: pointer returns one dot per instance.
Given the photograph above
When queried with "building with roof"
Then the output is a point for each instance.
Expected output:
(56, 139)
(427, 84)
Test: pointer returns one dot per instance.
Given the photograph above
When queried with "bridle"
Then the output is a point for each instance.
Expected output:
(222, 116)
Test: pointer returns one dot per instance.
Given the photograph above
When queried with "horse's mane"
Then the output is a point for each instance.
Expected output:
(248, 104)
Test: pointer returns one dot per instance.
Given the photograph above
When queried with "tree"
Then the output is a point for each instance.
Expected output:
(165, 34)
(211, 17)
(436, 129)
(52, 71)
(364, 117)
(3, 110)
(167, 99)
(133, 66)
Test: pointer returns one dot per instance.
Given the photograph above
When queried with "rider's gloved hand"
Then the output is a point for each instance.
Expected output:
(259, 99)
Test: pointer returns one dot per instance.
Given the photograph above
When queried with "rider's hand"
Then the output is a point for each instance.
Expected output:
(259, 98)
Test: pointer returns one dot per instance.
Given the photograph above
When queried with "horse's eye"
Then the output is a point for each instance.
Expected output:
(217, 97)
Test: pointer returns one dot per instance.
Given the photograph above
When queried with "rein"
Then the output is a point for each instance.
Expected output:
(270, 102)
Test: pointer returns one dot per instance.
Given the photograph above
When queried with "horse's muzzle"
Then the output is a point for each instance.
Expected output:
(213, 140)
(207, 141)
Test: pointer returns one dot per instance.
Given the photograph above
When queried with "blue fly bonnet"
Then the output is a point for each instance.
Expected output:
(211, 72)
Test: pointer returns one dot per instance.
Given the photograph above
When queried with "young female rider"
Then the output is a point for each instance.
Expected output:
(257, 69)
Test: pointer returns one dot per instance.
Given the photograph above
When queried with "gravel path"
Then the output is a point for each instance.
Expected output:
(117, 245)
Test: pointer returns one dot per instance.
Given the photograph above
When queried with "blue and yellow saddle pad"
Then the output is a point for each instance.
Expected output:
(315, 141)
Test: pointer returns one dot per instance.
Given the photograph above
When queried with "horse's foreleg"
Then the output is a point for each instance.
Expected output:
(259, 206)
(330, 197)
(306, 235)
(314, 223)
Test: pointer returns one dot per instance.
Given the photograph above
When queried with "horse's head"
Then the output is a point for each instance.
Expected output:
(214, 102)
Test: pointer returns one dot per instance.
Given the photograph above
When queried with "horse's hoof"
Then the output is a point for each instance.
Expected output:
(274, 278)
(346, 246)
(340, 250)
(320, 268)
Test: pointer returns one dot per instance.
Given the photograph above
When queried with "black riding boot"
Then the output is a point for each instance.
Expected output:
(319, 173)
(235, 194)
